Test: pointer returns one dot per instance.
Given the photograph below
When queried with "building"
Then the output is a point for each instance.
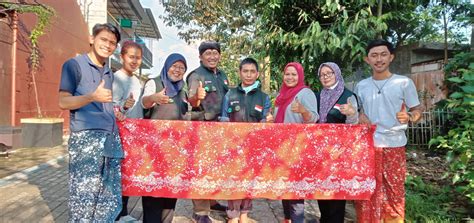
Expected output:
(67, 37)
(134, 21)
(424, 64)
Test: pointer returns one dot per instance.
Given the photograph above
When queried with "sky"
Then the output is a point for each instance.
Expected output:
(170, 42)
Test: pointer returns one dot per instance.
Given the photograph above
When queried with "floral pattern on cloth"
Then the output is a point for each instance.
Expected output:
(213, 160)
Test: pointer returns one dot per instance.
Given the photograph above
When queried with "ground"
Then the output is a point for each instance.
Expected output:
(432, 167)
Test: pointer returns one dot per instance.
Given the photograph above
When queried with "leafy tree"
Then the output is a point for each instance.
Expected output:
(276, 32)
(459, 139)
(315, 32)
(231, 23)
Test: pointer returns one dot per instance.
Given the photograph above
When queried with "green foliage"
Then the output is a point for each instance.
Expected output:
(316, 32)
(230, 23)
(310, 32)
(44, 14)
(458, 142)
(427, 203)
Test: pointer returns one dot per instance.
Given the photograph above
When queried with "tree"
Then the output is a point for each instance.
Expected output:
(311, 32)
(230, 23)
(44, 14)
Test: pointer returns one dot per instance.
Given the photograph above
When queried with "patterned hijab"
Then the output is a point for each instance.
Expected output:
(329, 97)
(287, 94)
(172, 88)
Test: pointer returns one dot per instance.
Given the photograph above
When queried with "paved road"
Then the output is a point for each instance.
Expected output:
(39, 194)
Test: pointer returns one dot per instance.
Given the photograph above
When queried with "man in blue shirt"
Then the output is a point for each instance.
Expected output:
(95, 151)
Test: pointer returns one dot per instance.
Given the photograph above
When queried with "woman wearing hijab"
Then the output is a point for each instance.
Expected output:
(166, 97)
(337, 104)
(295, 103)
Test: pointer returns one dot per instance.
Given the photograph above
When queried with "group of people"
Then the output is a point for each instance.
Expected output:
(97, 98)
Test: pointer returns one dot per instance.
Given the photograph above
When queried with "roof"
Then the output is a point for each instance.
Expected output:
(142, 17)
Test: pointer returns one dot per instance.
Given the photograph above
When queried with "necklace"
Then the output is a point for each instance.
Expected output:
(383, 85)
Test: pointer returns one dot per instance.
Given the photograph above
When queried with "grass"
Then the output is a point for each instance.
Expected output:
(427, 203)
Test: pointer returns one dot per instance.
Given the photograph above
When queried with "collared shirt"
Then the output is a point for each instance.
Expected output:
(80, 76)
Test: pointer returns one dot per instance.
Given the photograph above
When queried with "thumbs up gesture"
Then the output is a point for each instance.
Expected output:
(102, 94)
(403, 116)
(269, 118)
(201, 92)
(347, 109)
(297, 107)
(161, 97)
(129, 102)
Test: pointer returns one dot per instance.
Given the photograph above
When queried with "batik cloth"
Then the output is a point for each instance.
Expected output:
(95, 189)
(388, 201)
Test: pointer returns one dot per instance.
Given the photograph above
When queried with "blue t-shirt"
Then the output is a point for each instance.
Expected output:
(80, 76)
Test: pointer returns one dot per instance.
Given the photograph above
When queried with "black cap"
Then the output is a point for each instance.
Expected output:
(209, 45)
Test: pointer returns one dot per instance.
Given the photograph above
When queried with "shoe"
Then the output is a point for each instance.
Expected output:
(218, 207)
(202, 218)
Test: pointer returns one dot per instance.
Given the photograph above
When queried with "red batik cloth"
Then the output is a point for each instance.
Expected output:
(212, 160)
(388, 200)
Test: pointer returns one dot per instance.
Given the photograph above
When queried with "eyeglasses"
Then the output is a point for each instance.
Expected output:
(326, 75)
(177, 67)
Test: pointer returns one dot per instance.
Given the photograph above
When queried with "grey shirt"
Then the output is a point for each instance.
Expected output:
(307, 98)
(123, 86)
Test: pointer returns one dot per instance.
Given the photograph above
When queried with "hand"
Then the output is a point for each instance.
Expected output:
(161, 97)
(402, 115)
(119, 116)
(297, 107)
(201, 92)
(269, 117)
(102, 94)
(129, 102)
(347, 109)
(363, 119)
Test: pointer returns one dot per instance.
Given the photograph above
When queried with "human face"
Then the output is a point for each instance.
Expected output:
(103, 45)
(379, 59)
(132, 60)
(290, 77)
(210, 58)
(327, 77)
(248, 74)
(176, 71)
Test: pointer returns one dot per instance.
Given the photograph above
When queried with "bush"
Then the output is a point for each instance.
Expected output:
(458, 142)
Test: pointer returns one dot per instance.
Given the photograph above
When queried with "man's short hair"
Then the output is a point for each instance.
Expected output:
(209, 45)
(248, 60)
(107, 27)
(380, 42)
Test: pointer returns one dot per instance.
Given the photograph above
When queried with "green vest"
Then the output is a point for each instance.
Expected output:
(246, 107)
(216, 88)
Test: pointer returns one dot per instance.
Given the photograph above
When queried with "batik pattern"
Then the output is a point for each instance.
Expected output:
(388, 201)
(247, 160)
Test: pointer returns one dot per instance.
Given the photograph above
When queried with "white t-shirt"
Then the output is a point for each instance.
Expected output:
(381, 109)
(122, 87)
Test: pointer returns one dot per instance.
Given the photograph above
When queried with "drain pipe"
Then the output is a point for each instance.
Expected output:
(14, 41)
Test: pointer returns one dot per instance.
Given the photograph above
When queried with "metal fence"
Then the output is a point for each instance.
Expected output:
(433, 122)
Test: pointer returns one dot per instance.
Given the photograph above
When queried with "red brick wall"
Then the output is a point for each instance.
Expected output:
(66, 37)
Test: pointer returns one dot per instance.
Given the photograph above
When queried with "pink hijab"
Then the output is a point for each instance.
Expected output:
(287, 94)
